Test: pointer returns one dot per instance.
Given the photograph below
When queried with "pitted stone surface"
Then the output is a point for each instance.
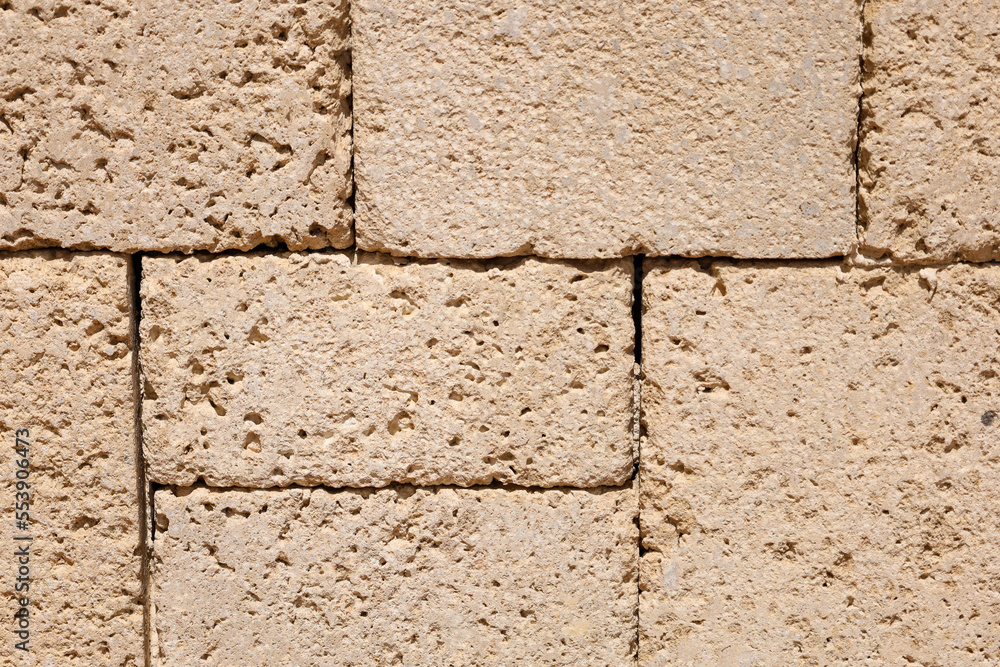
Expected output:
(269, 370)
(930, 153)
(65, 376)
(396, 576)
(198, 124)
(606, 128)
(819, 479)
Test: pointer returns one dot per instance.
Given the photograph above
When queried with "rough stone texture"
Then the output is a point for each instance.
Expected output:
(65, 375)
(174, 125)
(930, 157)
(606, 128)
(399, 576)
(819, 479)
(267, 370)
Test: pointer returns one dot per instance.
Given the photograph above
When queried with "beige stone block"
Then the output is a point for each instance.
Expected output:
(66, 379)
(929, 165)
(396, 576)
(269, 370)
(819, 479)
(606, 128)
(175, 125)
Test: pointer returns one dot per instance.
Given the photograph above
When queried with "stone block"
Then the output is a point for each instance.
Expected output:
(396, 576)
(819, 479)
(606, 128)
(175, 125)
(270, 370)
(930, 150)
(67, 427)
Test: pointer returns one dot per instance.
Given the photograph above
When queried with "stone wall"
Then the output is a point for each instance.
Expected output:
(490, 333)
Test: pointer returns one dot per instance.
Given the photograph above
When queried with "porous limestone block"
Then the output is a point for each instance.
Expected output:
(400, 575)
(66, 403)
(161, 125)
(819, 483)
(270, 370)
(930, 150)
(606, 128)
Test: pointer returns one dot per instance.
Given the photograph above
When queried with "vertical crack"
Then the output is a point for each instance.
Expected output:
(637, 419)
(637, 363)
(142, 488)
(637, 305)
(352, 199)
(860, 219)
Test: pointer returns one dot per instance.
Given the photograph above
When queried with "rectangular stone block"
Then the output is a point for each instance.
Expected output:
(269, 370)
(396, 576)
(606, 128)
(929, 163)
(819, 483)
(175, 125)
(70, 545)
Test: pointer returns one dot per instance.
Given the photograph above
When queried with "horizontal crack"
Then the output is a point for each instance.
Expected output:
(392, 486)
